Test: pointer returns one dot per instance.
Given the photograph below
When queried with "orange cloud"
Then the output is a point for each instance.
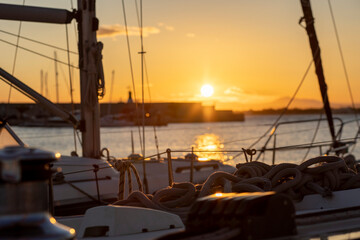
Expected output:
(167, 27)
(236, 94)
(117, 29)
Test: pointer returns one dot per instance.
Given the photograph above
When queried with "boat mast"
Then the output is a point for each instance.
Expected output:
(111, 90)
(42, 82)
(56, 78)
(46, 85)
(315, 48)
(90, 61)
(91, 78)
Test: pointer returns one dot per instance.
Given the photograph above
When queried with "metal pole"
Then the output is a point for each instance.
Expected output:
(132, 143)
(170, 170)
(192, 165)
(96, 169)
(273, 159)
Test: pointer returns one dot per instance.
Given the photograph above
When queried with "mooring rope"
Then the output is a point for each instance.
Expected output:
(321, 175)
(123, 167)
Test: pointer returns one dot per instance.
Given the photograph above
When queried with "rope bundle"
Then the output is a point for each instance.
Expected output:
(320, 175)
(176, 199)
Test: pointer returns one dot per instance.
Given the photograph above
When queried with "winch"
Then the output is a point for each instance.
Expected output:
(25, 195)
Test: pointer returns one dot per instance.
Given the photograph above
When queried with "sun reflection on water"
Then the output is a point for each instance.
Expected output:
(210, 144)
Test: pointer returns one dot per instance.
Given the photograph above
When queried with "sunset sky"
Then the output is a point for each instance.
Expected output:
(254, 53)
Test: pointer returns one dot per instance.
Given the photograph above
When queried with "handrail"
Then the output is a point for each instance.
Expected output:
(338, 134)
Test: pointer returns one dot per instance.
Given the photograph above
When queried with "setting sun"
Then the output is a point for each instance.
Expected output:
(207, 90)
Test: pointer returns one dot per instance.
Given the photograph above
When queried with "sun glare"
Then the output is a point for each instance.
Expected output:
(208, 146)
(207, 90)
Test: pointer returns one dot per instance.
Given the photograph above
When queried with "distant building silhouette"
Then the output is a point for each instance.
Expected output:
(155, 113)
(130, 98)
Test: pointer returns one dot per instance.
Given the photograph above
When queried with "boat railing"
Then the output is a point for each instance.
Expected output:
(340, 146)
(168, 157)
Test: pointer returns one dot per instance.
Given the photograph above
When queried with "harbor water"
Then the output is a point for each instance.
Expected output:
(220, 136)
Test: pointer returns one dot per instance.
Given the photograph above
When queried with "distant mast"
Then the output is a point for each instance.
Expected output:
(315, 48)
(56, 78)
(46, 85)
(90, 61)
(111, 91)
(42, 82)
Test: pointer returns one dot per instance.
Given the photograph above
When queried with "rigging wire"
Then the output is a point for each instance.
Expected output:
(18, 89)
(137, 12)
(140, 26)
(344, 67)
(39, 54)
(71, 85)
(75, 28)
(145, 182)
(142, 74)
(154, 127)
(313, 138)
(65, 80)
(343, 61)
(288, 105)
(38, 42)
(284, 110)
(132, 73)
(143, 105)
(14, 64)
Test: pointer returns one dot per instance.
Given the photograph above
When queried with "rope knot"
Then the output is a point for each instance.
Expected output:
(250, 152)
(122, 165)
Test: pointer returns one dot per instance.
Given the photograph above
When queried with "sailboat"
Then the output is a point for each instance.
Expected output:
(91, 180)
(215, 213)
